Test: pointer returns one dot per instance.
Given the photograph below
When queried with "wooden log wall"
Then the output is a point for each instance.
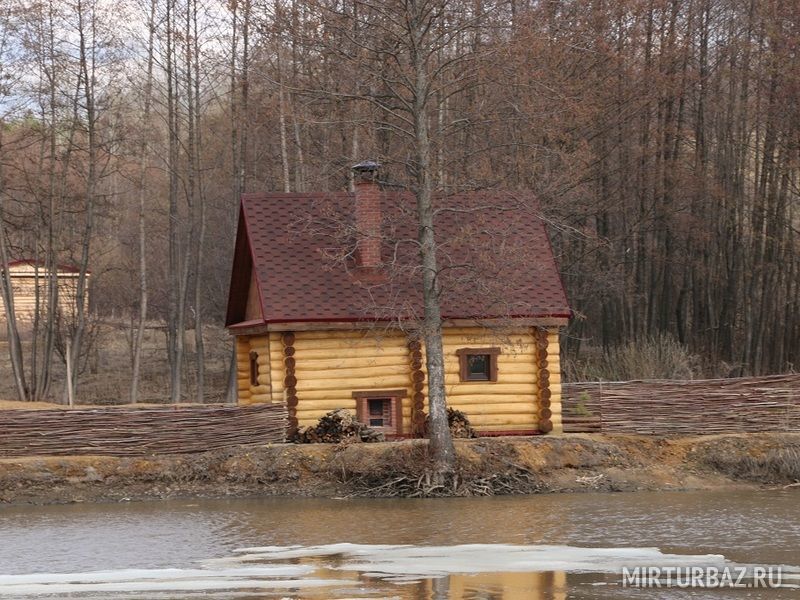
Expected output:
(262, 346)
(24, 284)
(290, 380)
(554, 370)
(543, 394)
(331, 365)
(243, 370)
(271, 369)
(326, 367)
(277, 366)
(262, 391)
(509, 404)
(711, 406)
(139, 431)
(418, 415)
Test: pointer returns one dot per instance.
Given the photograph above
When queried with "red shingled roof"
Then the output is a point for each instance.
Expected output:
(494, 255)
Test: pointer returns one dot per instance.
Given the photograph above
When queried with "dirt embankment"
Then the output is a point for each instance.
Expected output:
(572, 463)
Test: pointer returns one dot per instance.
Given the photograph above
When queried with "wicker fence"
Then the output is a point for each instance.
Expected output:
(138, 431)
(747, 404)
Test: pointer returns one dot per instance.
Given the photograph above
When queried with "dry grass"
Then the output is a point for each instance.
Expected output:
(17, 405)
(776, 461)
(659, 357)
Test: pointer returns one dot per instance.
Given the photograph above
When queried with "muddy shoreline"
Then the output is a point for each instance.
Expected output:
(488, 466)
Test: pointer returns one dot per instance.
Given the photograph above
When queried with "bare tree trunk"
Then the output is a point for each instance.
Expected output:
(7, 292)
(441, 442)
(144, 156)
(70, 385)
(300, 167)
(239, 92)
(284, 150)
(87, 67)
(299, 174)
(354, 156)
(175, 321)
(190, 183)
(236, 185)
(201, 213)
(287, 184)
(41, 375)
(244, 115)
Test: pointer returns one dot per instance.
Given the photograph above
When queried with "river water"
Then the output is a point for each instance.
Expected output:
(544, 547)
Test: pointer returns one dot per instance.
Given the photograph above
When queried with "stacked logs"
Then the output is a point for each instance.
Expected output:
(290, 381)
(337, 426)
(459, 424)
(543, 382)
(418, 418)
(138, 431)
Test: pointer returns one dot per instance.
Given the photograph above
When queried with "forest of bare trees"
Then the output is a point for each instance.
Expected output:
(661, 136)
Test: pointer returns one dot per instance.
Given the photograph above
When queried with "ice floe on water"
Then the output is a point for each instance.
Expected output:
(433, 561)
(317, 567)
(165, 580)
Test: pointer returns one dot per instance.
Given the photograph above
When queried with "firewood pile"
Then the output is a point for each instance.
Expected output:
(459, 424)
(138, 431)
(710, 406)
(337, 426)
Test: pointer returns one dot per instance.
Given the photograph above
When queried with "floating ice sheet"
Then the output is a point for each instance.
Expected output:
(166, 580)
(432, 561)
(298, 567)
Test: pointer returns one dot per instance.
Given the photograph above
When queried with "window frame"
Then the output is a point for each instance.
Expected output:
(395, 398)
(463, 363)
(387, 417)
(253, 368)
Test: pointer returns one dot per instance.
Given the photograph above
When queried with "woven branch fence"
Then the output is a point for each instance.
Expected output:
(139, 431)
(705, 406)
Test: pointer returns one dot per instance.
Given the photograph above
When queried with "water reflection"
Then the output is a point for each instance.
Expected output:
(745, 526)
(550, 585)
(463, 571)
(494, 586)
(531, 520)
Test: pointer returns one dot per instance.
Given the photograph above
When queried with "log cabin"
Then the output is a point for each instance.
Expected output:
(325, 302)
(29, 277)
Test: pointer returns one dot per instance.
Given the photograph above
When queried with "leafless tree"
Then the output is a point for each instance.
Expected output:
(144, 156)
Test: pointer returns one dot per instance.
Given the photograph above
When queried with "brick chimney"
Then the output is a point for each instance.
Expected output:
(368, 214)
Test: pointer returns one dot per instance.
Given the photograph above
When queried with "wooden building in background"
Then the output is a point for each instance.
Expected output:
(26, 277)
(326, 291)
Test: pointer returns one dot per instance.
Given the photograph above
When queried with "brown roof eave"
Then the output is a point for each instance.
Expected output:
(555, 320)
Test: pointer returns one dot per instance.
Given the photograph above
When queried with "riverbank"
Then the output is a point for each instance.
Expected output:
(488, 466)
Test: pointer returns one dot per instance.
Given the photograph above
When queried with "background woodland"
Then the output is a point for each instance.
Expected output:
(662, 138)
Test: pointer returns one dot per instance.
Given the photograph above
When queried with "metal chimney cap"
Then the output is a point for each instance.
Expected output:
(366, 166)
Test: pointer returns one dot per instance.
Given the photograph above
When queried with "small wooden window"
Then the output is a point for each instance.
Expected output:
(254, 368)
(381, 410)
(477, 364)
